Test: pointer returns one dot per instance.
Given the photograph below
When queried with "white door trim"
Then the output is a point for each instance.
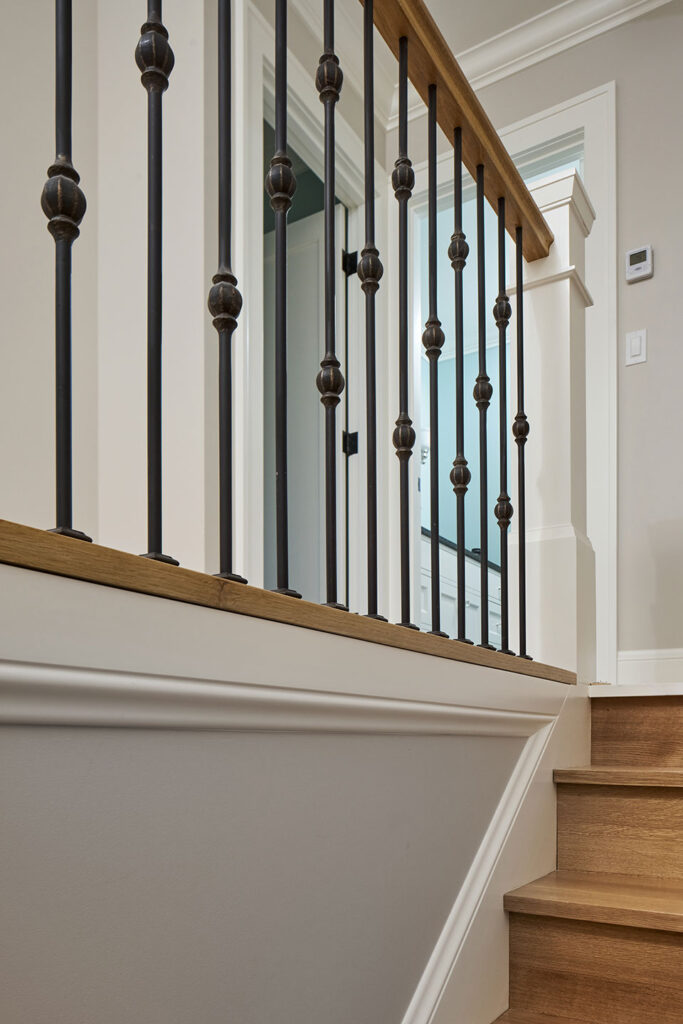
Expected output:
(594, 113)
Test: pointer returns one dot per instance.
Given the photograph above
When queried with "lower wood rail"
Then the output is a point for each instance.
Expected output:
(40, 550)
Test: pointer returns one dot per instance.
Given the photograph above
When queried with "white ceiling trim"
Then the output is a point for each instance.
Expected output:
(547, 34)
(558, 29)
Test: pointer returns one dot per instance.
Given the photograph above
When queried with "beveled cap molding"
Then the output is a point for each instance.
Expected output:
(565, 189)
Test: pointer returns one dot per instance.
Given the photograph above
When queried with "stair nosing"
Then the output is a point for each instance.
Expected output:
(611, 906)
(608, 775)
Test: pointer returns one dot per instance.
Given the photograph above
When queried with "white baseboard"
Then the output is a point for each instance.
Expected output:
(659, 666)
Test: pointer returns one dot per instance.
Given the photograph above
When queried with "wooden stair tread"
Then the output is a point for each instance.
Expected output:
(529, 1017)
(597, 775)
(635, 901)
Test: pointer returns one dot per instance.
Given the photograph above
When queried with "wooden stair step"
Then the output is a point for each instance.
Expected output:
(625, 830)
(630, 731)
(593, 972)
(597, 775)
(638, 902)
(529, 1017)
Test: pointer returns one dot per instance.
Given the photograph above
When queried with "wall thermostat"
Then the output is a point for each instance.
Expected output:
(639, 264)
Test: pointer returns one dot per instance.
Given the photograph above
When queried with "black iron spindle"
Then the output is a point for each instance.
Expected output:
(433, 339)
(154, 58)
(403, 181)
(225, 301)
(520, 430)
(482, 396)
(458, 252)
(370, 272)
(503, 510)
(330, 379)
(280, 186)
(63, 203)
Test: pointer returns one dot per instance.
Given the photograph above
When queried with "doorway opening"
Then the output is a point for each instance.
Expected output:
(305, 349)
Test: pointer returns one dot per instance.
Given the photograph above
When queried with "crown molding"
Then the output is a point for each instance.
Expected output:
(547, 34)
(558, 29)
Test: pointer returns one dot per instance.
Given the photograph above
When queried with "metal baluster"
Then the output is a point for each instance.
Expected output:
(433, 339)
(482, 396)
(154, 58)
(280, 186)
(458, 252)
(403, 181)
(330, 379)
(370, 272)
(503, 510)
(63, 203)
(520, 431)
(225, 301)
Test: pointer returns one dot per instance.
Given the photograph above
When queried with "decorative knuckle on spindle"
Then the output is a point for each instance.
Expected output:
(502, 311)
(404, 437)
(433, 338)
(482, 391)
(503, 510)
(330, 381)
(403, 178)
(329, 78)
(280, 182)
(225, 301)
(520, 428)
(62, 201)
(460, 475)
(458, 250)
(154, 56)
(369, 269)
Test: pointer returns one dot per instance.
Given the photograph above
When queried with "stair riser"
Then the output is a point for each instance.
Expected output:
(632, 731)
(594, 972)
(621, 829)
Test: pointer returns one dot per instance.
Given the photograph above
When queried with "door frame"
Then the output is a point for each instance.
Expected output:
(593, 113)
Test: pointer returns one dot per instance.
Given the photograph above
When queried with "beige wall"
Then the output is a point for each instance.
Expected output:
(643, 58)
(176, 876)
(27, 266)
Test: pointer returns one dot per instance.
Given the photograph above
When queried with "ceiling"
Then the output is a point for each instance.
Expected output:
(466, 24)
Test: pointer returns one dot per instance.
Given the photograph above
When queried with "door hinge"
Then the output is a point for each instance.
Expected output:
(349, 262)
(350, 442)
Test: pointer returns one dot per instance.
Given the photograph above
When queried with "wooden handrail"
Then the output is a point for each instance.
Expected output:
(431, 62)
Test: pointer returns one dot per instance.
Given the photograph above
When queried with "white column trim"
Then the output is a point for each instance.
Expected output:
(566, 274)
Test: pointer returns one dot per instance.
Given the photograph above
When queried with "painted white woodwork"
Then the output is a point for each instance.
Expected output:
(560, 557)
(592, 115)
(265, 817)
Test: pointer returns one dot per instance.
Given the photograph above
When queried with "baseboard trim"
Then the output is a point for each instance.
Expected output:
(650, 667)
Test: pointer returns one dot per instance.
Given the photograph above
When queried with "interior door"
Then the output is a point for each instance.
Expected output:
(305, 440)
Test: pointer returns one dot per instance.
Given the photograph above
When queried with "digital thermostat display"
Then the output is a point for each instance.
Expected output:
(639, 264)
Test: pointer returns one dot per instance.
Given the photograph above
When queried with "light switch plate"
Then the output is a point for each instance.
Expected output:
(636, 347)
